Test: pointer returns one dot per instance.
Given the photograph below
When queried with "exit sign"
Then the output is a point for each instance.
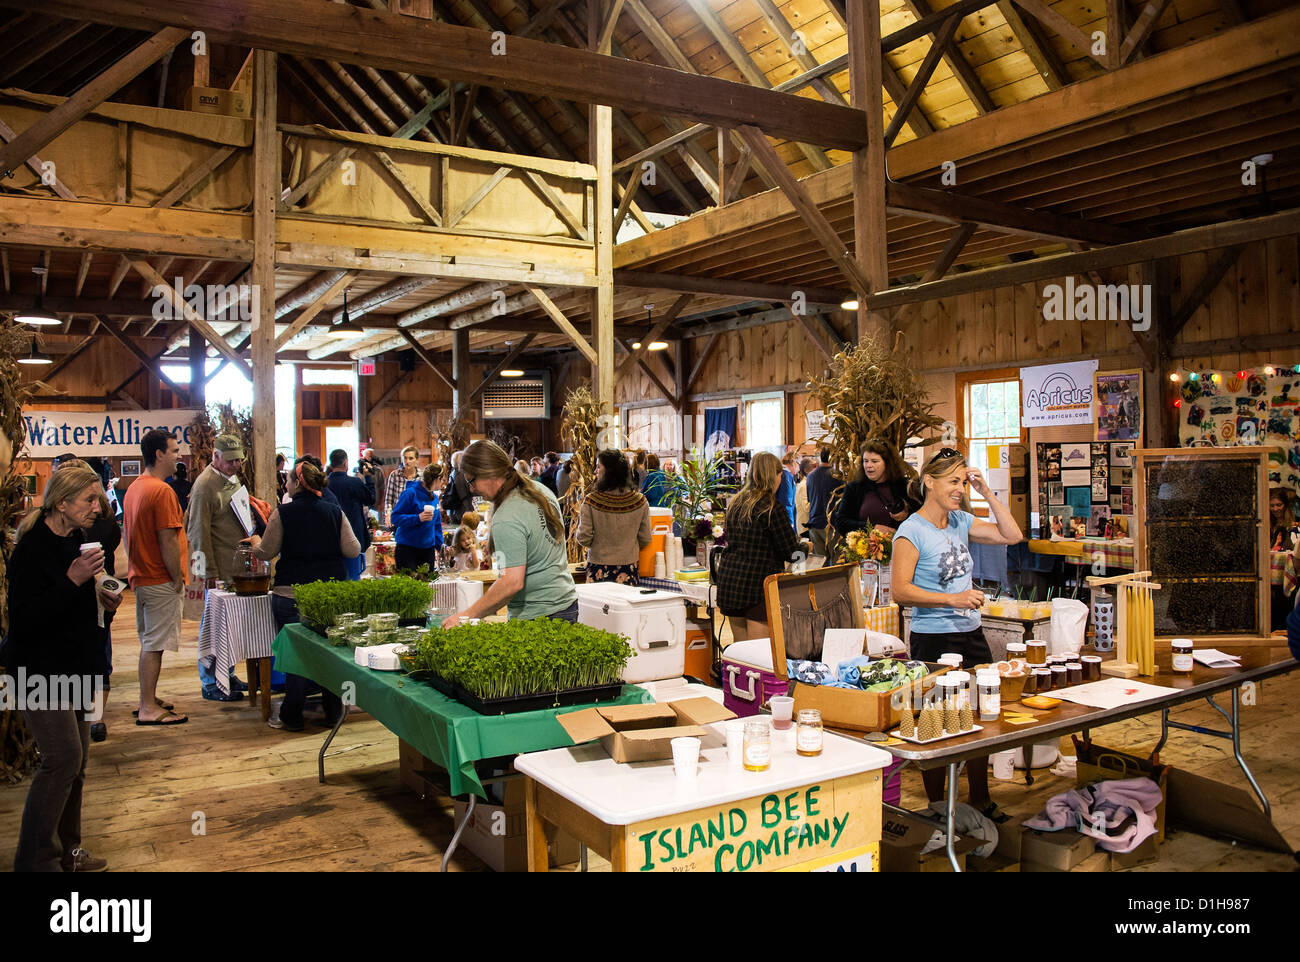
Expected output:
(366, 366)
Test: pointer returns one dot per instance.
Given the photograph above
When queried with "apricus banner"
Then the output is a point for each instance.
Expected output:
(105, 433)
(1057, 394)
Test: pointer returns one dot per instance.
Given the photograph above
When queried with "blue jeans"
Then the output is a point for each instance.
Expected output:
(569, 614)
(285, 612)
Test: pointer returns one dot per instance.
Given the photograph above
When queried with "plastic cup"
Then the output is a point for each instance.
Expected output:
(1004, 765)
(686, 757)
(782, 712)
(735, 741)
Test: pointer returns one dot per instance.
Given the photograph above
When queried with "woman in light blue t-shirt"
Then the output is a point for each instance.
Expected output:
(932, 572)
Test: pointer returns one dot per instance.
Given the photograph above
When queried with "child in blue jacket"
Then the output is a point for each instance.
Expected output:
(417, 518)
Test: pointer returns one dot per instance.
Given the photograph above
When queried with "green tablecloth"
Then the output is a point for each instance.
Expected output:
(440, 728)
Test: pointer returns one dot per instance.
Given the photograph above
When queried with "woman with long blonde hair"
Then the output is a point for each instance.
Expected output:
(527, 540)
(760, 540)
(54, 636)
(932, 570)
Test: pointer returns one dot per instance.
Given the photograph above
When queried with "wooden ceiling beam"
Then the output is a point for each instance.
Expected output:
(423, 355)
(938, 47)
(393, 42)
(501, 365)
(146, 362)
(664, 322)
(960, 67)
(336, 287)
(1064, 28)
(1041, 53)
(1142, 29)
(64, 115)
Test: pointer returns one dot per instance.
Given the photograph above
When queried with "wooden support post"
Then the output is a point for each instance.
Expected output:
(198, 369)
(266, 194)
(601, 137)
(460, 370)
(1160, 430)
(868, 164)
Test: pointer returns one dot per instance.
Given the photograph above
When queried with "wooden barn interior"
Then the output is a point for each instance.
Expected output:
(684, 203)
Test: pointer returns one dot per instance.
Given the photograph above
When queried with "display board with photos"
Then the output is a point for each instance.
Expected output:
(1253, 407)
(1085, 488)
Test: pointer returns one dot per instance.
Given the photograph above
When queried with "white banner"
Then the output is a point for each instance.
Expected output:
(818, 426)
(105, 433)
(1057, 394)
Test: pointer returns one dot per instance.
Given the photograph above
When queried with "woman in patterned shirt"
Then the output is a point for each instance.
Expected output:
(760, 540)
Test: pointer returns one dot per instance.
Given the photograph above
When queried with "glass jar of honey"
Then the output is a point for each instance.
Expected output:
(1182, 661)
(1036, 652)
(808, 734)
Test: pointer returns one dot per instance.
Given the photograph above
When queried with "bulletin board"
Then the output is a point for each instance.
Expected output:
(1084, 485)
(1228, 410)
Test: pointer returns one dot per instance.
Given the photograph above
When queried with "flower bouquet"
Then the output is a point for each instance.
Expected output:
(872, 544)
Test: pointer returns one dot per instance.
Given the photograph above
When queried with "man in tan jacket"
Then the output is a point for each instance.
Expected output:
(214, 532)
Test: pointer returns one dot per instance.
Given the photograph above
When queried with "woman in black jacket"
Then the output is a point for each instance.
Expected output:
(760, 540)
(54, 636)
(311, 537)
(878, 493)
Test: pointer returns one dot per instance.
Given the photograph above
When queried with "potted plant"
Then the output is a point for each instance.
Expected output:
(695, 492)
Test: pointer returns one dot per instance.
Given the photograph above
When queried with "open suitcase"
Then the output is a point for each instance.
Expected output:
(800, 607)
(748, 681)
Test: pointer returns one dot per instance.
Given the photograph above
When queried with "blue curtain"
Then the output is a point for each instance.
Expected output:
(719, 430)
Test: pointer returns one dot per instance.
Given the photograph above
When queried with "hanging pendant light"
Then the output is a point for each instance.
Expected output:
(38, 316)
(348, 327)
(36, 357)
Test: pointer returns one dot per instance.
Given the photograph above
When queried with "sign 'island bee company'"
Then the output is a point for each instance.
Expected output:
(827, 826)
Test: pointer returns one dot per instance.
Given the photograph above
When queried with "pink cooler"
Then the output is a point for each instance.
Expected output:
(748, 681)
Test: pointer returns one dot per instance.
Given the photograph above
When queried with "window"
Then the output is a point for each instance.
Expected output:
(765, 423)
(991, 416)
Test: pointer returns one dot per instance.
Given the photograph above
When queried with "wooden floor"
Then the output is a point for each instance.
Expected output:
(255, 790)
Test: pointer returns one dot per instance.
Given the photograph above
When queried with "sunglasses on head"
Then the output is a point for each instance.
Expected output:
(946, 453)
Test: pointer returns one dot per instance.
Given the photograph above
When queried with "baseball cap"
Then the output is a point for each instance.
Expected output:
(231, 448)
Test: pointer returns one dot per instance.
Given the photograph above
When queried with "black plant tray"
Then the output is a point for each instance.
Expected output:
(520, 703)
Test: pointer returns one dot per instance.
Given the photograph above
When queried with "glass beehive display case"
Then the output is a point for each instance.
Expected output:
(1202, 532)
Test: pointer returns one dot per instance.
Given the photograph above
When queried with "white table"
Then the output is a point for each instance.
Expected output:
(613, 808)
(239, 628)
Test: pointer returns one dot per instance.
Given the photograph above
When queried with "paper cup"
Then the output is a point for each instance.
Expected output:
(91, 546)
(735, 741)
(686, 757)
(1004, 765)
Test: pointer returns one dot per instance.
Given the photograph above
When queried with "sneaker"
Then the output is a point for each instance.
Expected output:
(288, 726)
(79, 860)
(213, 693)
(98, 732)
(237, 685)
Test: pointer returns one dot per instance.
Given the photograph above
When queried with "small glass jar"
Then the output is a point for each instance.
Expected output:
(808, 735)
(757, 750)
(1036, 652)
(1031, 685)
(952, 660)
(1045, 682)
(1016, 649)
(960, 681)
(1060, 676)
(1074, 673)
(1091, 667)
(1182, 660)
(989, 684)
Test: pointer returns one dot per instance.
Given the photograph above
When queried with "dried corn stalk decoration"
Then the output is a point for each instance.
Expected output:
(579, 428)
(222, 419)
(872, 391)
(17, 747)
(451, 433)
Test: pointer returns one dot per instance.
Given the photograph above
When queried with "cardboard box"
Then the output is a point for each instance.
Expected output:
(1207, 807)
(1099, 764)
(642, 733)
(498, 834)
(1009, 835)
(1148, 851)
(903, 835)
(1098, 861)
(1055, 851)
(218, 100)
(842, 708)
(994, 863)
(410, 766)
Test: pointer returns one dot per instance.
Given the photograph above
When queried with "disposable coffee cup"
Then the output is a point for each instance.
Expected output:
(686, 757)
(1004, 765)
(91, 546)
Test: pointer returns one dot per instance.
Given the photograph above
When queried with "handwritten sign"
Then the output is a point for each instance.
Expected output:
(824, 823)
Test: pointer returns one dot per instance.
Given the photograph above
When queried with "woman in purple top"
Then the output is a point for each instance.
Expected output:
(878, 494)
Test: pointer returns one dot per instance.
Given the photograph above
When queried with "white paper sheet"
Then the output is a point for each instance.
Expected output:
(1113, 693)
(243, 510)
(841, 644)
(1213, 658)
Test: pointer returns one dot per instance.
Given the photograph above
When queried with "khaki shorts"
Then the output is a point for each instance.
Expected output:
(158, 617)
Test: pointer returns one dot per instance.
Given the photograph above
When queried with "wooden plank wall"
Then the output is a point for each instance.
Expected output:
(1005, 327)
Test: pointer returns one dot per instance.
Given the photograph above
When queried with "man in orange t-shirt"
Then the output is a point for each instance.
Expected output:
(157, 550)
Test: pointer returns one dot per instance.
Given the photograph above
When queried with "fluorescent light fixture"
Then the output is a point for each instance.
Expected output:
(511, 372)
(851, 305)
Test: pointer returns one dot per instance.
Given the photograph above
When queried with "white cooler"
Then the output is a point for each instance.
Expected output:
(653, 621)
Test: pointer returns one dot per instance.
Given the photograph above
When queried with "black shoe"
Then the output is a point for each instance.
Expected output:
(237, 685)
(213, 693)
(98, 732)
(289, 726)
